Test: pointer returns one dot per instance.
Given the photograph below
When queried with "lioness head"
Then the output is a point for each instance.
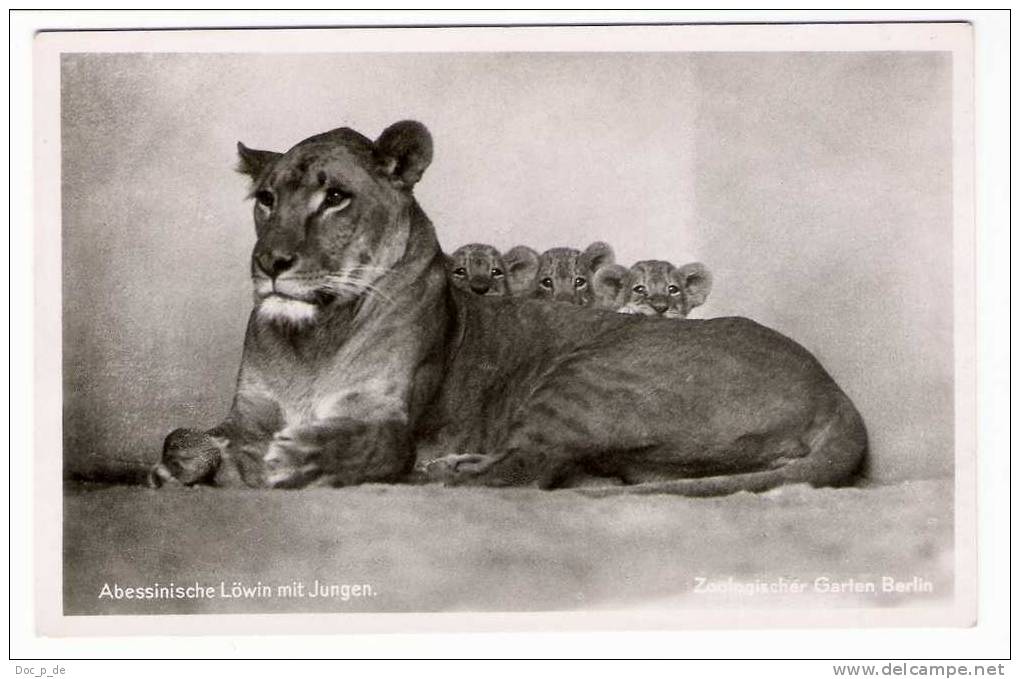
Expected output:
(477, 268)
(653, 288)
(331, 217)
(565, 274)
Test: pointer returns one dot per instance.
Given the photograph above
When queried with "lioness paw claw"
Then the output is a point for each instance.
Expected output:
(449, 468)
(289, 463)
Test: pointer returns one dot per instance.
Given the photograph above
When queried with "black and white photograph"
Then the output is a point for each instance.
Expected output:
(672, 325)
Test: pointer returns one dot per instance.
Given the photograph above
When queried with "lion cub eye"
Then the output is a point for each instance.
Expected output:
(640, 289)
(265, 199)
(546, 283)
(580, 282)
(460, 272)
(335, 198)
(497, 273)
(673, 290)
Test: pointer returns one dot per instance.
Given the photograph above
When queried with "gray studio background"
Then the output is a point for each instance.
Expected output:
(817, 187)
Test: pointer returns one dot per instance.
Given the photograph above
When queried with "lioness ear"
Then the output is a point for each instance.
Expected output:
(610, 284)
(697, 283)
(597, 255)
(404, 151)
(521, 265)
(253, 162)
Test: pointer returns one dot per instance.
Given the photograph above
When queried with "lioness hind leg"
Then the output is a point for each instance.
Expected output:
(547, 446)
(189, 457)
(447, 467)
(542, 467)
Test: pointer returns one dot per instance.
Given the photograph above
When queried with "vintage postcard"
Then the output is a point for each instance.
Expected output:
(628, 327)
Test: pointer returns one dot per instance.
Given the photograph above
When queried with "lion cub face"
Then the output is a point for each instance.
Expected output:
(565, 274)
(654, 288)
(479, 269)
(331, 217)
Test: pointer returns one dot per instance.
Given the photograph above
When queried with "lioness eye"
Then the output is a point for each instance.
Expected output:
(265, 198)
(497, 273)
(334, 197)
(460, 272)
(673, 290)
(639, 289)
(546, 283)
(580, 282)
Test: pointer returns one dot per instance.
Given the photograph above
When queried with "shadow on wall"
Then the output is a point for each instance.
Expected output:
(816, 187)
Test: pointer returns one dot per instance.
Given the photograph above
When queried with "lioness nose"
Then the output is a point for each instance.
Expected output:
(479, 287)
(660, 305)
(274, 262)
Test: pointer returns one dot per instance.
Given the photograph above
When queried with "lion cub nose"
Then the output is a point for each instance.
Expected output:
(660, 305)
(479, 285)
(274, 262)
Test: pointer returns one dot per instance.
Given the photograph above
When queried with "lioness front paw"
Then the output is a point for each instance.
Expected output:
(292, 463)
(189, 457)
(449, 469)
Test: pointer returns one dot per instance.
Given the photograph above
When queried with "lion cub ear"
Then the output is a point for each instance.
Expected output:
(597, 255)
(696, 281)
(404, 151)
(254, 162)
(521, 265)
(610, 284)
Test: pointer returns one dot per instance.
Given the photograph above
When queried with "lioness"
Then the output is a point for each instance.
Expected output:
(359, 352)
(653, 288)
(565, 274)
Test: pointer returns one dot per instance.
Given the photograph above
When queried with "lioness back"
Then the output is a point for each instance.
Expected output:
(630, 393)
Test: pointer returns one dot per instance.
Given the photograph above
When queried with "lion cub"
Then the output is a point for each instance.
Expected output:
(477, 268)
(563, 274)
(481, 269)
(653, 288)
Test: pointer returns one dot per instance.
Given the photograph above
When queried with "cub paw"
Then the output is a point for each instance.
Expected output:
(189, 457)
(450, 469)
